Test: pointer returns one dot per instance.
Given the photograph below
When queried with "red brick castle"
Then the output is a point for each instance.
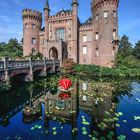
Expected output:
(64, 37)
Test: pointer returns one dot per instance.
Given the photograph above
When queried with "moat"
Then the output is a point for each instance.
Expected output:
(100, 109)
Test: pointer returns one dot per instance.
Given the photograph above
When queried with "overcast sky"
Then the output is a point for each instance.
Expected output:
(11, 16)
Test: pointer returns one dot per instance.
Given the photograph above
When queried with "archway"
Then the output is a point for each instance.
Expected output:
(53, 53)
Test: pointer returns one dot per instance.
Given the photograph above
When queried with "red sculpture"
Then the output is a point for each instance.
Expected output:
(64, 96)
(65, 83)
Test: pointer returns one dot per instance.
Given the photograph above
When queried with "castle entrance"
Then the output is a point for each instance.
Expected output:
(53, 53)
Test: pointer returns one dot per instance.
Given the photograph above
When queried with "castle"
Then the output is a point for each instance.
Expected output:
(63, 36)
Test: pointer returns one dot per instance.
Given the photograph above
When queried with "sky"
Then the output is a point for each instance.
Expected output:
(11, 16)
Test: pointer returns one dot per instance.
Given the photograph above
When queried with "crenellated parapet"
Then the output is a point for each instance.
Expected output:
(86, 27)
(62, 14)
(32, 14)
(96, 4)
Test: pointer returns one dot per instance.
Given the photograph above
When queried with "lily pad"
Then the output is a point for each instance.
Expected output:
(121, 137)
(136, 130)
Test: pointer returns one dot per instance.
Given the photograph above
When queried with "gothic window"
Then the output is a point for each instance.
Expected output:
(97, 36)
(34, 41)
(60, 34)
(105, 14)
(33, 26)
(84, 38)
(85, 50)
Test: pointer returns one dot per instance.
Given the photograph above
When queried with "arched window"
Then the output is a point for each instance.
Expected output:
(33, 51)
(60, 34)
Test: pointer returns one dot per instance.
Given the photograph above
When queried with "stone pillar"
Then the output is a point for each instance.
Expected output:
(6, 74)
(53, 69)
(45, 68)
(30, 76)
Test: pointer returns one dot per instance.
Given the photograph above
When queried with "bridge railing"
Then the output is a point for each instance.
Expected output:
(37, 62)
(1, 65)
(18, 64)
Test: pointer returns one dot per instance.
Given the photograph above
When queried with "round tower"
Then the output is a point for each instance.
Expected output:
(32, 21)
(105, 31)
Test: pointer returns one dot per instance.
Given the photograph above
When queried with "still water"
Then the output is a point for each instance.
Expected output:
(95, 109)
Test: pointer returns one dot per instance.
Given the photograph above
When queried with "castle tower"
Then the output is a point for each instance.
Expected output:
(32, 21)
(105, 31)
(75, 30)
(46, 17)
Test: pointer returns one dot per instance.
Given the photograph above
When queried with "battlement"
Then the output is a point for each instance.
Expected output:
(85, 27)
(33, 14)
(61, 15)
(99, 3)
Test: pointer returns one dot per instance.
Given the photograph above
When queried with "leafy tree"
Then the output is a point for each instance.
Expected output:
(12, 49)
(125, 46)
(137, 50)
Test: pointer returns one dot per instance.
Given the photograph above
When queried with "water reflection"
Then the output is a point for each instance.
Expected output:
(91, 110)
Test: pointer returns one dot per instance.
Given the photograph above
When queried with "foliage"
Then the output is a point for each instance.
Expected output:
(36, 56)
(68, 66)
(125, 47)
(12, 49)
(137, 50)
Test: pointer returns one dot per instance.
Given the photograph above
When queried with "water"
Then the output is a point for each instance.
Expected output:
(101, 109)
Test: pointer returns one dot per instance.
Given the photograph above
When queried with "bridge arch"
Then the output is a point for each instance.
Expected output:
(53, 53)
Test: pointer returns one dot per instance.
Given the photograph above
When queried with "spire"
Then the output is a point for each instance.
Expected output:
(46, 5)
(74, 2)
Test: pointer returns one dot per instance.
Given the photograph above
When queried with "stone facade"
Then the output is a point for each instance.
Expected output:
(64, 37)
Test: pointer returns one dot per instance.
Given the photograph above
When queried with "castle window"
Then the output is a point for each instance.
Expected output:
(84, 38)
(84, 86)
(114, 34)
(26, 25)
(34, 41)
(97, 51)
(84, 50)
(33, 51)
(84, 61)
(105, 14)
(60, 34)
(84, 98)
(97, 36)
(33, 26)
(114, 14)
(97, 17)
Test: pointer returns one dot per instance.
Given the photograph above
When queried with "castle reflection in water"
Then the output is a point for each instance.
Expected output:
(96, 100)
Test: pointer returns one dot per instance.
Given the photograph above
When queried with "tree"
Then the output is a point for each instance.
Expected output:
(137, 50)
(12, 49)
(125, 46)
(68, 66)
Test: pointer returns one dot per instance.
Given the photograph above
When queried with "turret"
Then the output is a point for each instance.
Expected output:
(32, 21)
(105, 31)
(75, 29)
(46, 18)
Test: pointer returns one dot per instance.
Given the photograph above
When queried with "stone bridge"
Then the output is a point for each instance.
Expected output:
(27, 69)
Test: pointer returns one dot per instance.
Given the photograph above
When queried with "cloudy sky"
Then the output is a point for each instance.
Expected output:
(11, 16)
